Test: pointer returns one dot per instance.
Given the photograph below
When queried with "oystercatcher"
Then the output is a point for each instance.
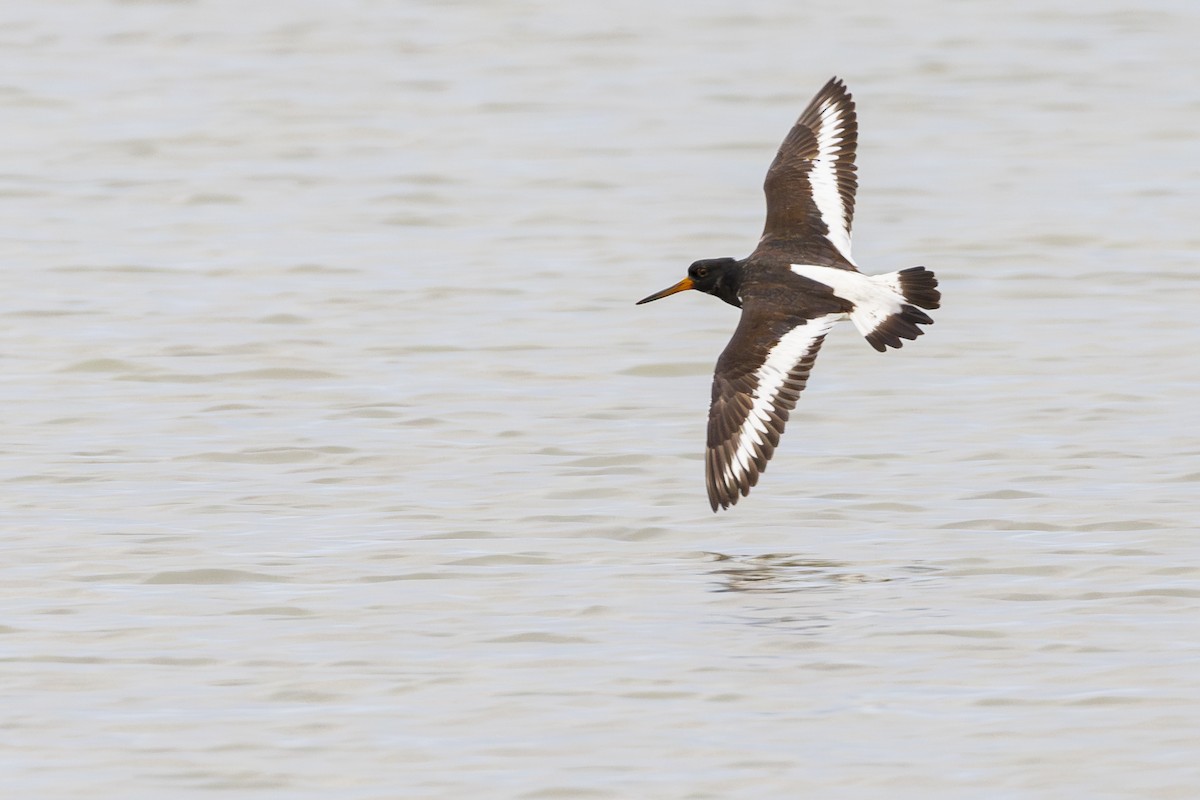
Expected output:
(797, 284)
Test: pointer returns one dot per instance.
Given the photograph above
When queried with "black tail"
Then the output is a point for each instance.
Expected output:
(898, 326)
(916, 286)
(919, 287)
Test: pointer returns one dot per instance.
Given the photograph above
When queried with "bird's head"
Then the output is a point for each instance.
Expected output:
(720, 277)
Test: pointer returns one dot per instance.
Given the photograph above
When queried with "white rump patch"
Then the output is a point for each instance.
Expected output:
(823, 176)
(875, 297)
(770, 376)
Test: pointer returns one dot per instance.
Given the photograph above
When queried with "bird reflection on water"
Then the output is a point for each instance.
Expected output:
(781, 573)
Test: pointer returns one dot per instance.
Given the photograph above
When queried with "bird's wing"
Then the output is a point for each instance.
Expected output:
(811, 183)
(757, 382)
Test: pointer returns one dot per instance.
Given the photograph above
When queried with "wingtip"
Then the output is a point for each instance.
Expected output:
(720, 504)
(839, 86)
(719, 495)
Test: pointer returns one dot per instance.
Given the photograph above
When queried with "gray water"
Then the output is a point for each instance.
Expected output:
(338, 462)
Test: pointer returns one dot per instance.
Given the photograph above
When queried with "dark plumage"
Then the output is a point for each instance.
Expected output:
(799, 281)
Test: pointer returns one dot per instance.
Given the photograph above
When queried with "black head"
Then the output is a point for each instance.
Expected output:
(720, 277)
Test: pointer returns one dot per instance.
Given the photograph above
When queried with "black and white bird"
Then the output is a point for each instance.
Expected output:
(797, 284)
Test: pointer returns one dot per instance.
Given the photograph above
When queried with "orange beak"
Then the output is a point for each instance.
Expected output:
(682, 286)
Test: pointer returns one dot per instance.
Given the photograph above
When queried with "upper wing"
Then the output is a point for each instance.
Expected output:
(811, 183)
(758, 380)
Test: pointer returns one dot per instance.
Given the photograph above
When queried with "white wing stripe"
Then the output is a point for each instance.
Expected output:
(823, 176)
(770, 376)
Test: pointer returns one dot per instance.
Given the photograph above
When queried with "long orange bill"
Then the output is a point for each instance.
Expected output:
(682, 286)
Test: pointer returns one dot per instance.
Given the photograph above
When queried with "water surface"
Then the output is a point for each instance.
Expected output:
(339, 462)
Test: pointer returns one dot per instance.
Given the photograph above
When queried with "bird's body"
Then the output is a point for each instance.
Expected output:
(797, 284)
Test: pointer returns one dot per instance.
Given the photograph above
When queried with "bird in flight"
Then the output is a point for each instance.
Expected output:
(798, 283)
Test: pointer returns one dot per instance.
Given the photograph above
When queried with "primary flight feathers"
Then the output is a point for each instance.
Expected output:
(798, 283)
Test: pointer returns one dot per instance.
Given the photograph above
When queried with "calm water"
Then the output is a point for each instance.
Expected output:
(340, 464)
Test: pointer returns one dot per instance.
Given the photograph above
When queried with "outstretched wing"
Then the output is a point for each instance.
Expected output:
(757, 382)
(811, 183)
